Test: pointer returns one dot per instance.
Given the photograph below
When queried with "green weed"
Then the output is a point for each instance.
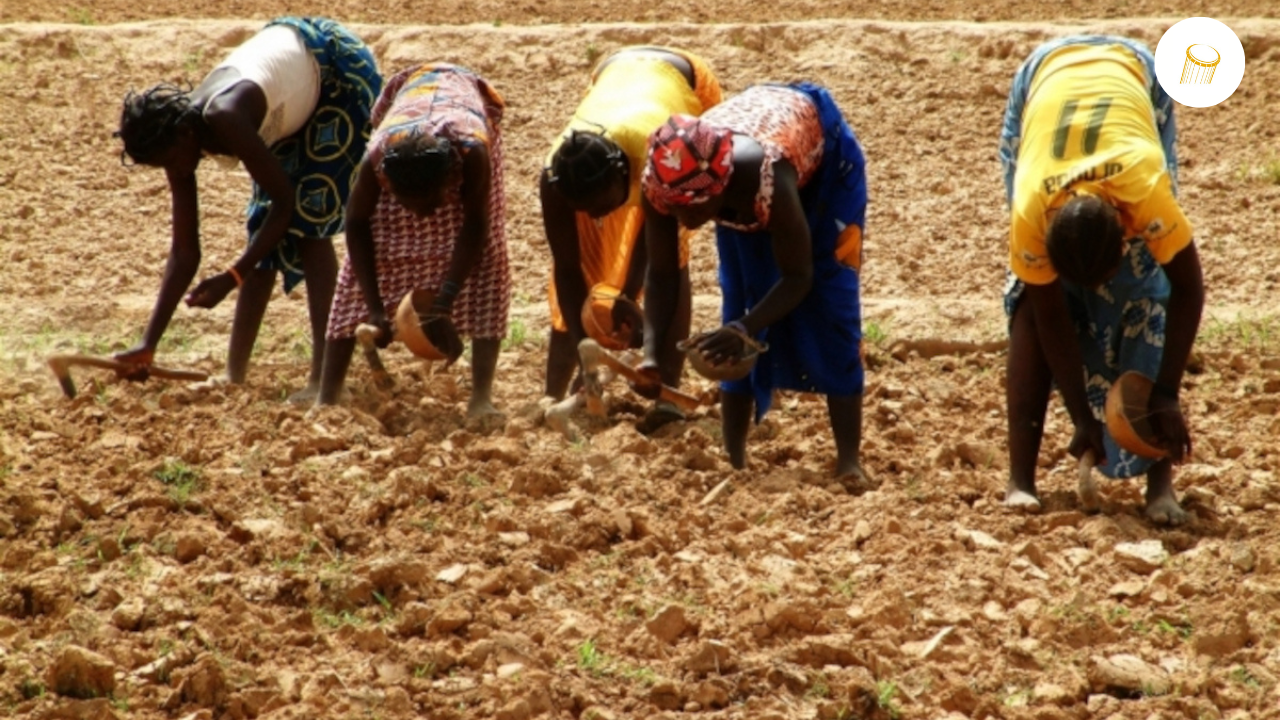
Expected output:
(516, 334)
(590, 658)
(81, 16)
(182, 480)
(593, 53)
(874, 333)
(886, 692)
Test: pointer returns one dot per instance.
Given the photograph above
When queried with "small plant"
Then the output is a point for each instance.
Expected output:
(874, 333)
(182, 479)
(1271, 171)
(516, 334)
(590, 658)
(957, 55)
(120, 703)
(31, 689)
(593, 53)
(192, 61)
(886, 692)
(473, 480)
(81, 16)
(426, 670)
(819, 689)
(846, 587)
(1242, 675)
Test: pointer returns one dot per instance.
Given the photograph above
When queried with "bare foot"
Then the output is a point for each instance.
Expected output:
(1021, 501)
(483, 417)
(557, 416)
(305, 396)
(854, 479)
(1165, 510)
(663, 413)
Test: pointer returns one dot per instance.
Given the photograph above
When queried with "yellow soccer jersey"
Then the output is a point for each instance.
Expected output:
(1089, 127)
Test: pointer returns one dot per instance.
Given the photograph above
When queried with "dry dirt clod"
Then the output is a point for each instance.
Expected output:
(1127, 675)
(668, 624)
(1144, 557)
(81, 673)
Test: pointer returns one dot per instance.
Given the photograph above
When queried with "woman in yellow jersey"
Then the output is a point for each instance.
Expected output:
(1104, 275)
(590, 193)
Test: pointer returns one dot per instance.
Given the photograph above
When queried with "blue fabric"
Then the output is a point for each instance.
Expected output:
(322, 157)
(1011, 132)
(815, 348)
(1120, 325)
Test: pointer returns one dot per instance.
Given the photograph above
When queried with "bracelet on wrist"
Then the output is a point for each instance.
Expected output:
(235, 275)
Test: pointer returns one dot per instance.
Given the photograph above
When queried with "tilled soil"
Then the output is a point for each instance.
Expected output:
(175, 551)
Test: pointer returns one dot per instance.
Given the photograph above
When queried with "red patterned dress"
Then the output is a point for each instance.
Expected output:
(415, 253)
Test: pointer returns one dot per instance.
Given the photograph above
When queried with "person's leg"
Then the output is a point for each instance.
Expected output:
(1027, 389)
(251, 305)
(846, 422)
(735, 413)
(1162, 504)
(484, 364)
(320, 266)
(562, 362)
(337, 360)
(671, 360)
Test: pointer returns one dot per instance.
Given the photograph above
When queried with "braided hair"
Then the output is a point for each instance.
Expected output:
(1085, 240)
(149, 121)
(417, 164)
(586, 163)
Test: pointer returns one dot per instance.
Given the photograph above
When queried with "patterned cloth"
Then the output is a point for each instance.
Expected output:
(817, 346)
(1120, 325)
(415, 253)
(630, 96)
(321, 158)
(690, 162)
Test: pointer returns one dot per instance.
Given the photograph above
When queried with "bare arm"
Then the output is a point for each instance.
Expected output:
(1186, 303)
(184, 257)
(792, 250)
(662, 280)
(469, 248)
(231, 117)
(361, 206)
(1061, 349)
(561, 226)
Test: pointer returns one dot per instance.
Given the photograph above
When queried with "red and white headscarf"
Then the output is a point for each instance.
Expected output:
(690, 162)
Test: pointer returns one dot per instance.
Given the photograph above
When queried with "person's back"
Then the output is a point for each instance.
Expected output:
(1089, 127)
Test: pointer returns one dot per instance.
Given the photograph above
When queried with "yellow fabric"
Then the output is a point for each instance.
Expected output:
(1089, 127)
(628, 100)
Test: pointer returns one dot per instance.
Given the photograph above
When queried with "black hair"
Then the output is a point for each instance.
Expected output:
(418, 164)
(585, 164)
(1085, 240)
(150, 120)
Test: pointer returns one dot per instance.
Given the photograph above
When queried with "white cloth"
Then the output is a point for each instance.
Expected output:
(277, 61)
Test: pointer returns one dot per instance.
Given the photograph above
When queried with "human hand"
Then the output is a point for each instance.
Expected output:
(386, 333)
(211, 291)
(440, 331)
(648, 382)
(722, 347)
(1088, 437)
(1170, 425)
(628, 322)
(139, 358)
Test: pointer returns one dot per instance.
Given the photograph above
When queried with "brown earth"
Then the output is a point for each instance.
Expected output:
(168, 551)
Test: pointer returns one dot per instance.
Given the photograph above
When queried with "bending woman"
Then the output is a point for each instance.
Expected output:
(292, 104)
(590, 193)
(782, 176)
(428, 213)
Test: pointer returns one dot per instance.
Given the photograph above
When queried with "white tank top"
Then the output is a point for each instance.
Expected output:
(277, 61)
